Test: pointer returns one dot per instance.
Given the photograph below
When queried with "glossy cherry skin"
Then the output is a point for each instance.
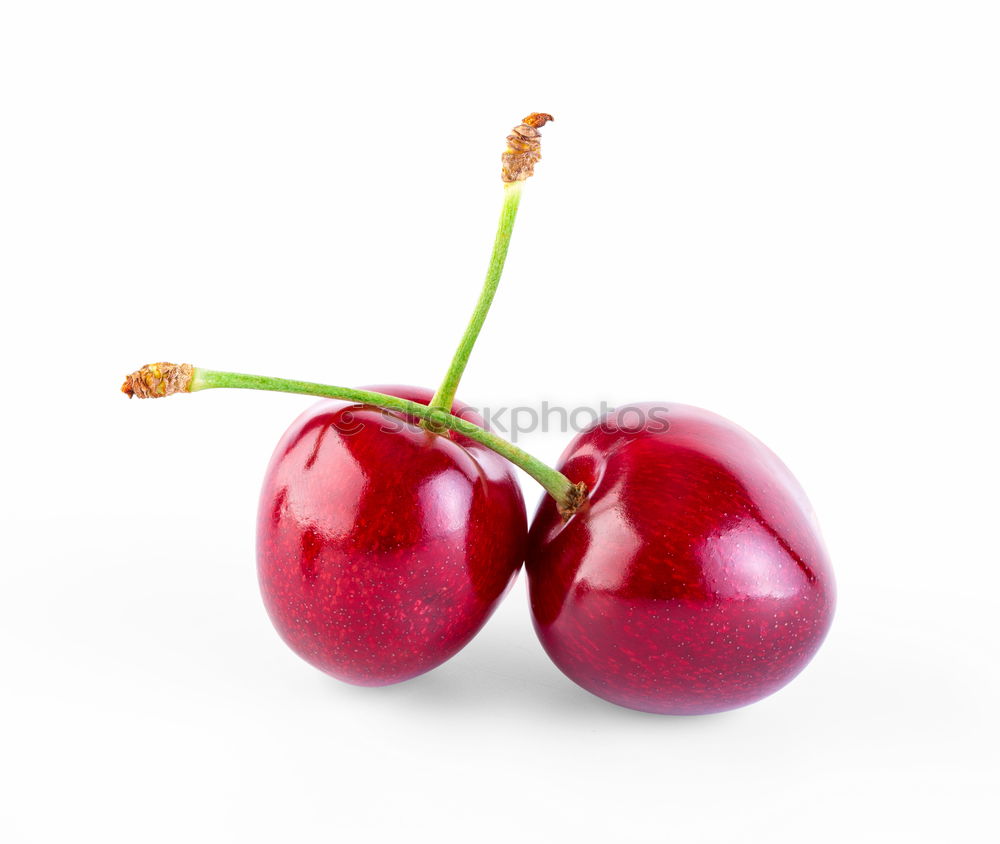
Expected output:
(382, 548)
(694, 580)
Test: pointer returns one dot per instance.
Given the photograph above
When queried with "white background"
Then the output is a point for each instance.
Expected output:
(785, 212)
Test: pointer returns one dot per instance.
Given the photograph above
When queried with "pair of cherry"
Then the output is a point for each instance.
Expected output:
(674, 567)
(691, 580)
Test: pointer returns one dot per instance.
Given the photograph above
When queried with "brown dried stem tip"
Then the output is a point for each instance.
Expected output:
(576, 497)
(524, 148)
(156, 380)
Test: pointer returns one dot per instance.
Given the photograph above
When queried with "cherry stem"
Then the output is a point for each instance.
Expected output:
(568, 496)
(445, 395)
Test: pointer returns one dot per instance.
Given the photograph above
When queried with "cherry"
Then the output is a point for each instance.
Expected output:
(383, 548)
(694, 578)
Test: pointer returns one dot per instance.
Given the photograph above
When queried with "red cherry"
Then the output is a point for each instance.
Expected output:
(382, 548)
(694, 579)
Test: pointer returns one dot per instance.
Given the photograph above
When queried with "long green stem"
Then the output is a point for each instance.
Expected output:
(568, 495)
(445, 394)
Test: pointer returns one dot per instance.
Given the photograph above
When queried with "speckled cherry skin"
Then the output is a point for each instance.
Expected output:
(382, 548)
(694, 580)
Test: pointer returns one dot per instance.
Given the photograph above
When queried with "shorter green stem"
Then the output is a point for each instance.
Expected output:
(445, 395)
(568, 496)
